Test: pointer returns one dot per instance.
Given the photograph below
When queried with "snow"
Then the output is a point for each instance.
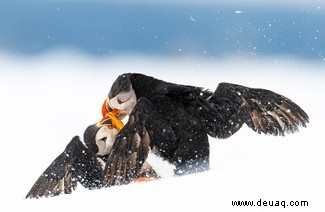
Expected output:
(46, 100)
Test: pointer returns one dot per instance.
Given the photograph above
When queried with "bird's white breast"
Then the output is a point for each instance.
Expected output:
(161, 166)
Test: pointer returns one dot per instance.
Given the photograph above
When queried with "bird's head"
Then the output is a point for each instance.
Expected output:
(121, 96)
(100, 137)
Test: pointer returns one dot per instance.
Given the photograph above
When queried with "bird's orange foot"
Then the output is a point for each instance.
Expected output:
(144, 179)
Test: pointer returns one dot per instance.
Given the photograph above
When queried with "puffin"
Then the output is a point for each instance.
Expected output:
(85, 162)
(173, 121)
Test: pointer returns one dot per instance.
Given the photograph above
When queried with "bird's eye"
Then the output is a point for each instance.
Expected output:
(103, 139)
(119, 101)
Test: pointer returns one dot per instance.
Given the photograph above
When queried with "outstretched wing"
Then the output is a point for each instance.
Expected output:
(262, 110)
(75, 164)
(132, 145)
(56, 179)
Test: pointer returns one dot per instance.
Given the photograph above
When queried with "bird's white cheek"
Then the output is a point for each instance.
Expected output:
(102, 147)
(124, 101)
(105, 139)
(114, 104)
(128, 106)
(111, 139)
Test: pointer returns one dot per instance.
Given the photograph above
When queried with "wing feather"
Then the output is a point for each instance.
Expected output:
(262, 110)
(56, 179)
(75, 164)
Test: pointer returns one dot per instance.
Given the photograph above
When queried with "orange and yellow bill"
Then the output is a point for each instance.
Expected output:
(111, 121)
(111, 117)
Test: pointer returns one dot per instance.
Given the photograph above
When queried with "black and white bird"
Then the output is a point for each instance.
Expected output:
(173, 121)
(82, 162)
(79, 162)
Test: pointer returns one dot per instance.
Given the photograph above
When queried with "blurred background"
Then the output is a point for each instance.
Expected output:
(209, 29)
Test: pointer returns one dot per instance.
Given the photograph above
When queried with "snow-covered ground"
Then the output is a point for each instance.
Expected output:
(46, 100)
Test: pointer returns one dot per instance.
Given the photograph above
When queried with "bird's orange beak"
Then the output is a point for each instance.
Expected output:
(111, 121)
(111, 117)
(105, 109)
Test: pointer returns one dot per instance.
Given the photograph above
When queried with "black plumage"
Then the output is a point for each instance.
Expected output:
(77, 163)
(174, 121)
(80, 163)
(171, 120)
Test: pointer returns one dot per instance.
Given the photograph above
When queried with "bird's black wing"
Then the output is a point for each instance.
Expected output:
(262, 110)
(75, 164)
(132, 144)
